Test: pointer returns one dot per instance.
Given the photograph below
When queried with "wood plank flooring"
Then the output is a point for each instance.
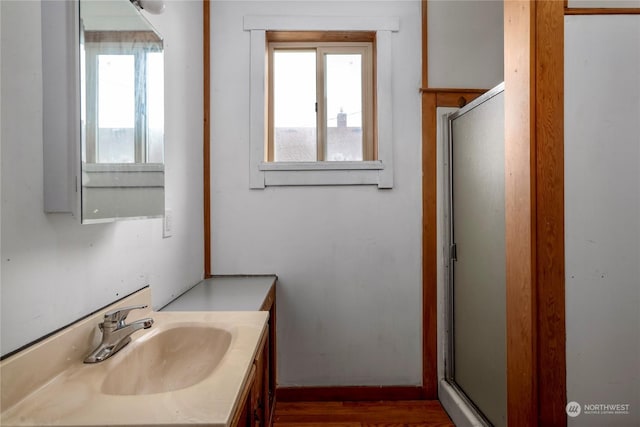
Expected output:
(424, 413)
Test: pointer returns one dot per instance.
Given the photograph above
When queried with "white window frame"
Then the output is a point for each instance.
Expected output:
(375, 172)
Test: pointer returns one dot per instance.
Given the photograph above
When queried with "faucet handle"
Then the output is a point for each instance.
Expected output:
(118, 315)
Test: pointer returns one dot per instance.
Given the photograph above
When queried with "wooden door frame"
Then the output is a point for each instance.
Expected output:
(534, 180)
(431, 100)
(206, 135)
(534, 193)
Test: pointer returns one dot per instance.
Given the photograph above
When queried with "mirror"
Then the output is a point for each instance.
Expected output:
(121, 112)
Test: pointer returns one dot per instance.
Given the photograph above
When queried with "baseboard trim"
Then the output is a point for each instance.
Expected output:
(348, 393)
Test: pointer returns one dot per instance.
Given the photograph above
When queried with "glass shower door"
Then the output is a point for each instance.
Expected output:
(476, 364)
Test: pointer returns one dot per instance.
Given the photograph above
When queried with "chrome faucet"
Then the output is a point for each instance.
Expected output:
(115, 333)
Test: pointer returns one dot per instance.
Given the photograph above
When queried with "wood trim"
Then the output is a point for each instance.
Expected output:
(420, 413)
(519, 22)
(456, 99)
(321, 36)
(374, 99)
(550, 256)
(429, 248)
(452, 97)
(347, 393)
(431, 100)
(321, 112)
(206, 133)
(601, 11)
(270, 130)
(451, 90)
(534, 109)
(429, 225)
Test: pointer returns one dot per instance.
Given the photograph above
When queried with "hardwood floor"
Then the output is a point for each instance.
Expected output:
(424, 413)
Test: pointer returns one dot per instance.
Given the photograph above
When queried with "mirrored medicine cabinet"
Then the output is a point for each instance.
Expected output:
(114, 106)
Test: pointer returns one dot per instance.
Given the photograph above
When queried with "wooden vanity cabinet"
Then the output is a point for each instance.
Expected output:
(242, 416)
(260, 389)
(258, 396)
(255, 409)
(269, 305)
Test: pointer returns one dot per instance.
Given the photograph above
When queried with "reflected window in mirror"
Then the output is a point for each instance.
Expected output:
(122, 113)
(124, 97)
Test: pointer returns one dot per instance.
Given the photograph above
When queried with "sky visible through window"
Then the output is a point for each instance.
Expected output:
(295, 88)
(295, 95)
(116, 95)
(117, 108)
(344, 89)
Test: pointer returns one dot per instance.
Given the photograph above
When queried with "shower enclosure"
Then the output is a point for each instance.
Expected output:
(475, 302)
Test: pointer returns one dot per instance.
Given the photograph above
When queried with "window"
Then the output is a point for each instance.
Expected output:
(269, 169)
(320, 96)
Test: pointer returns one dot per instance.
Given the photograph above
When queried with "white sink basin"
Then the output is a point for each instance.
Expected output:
(168, 360)
(189, 367)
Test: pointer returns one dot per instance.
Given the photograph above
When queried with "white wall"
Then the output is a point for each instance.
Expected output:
(55, 270)
(465, 43)
(348, 258)
(602, 215)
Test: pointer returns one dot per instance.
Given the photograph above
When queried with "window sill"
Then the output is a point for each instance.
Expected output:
(322, 173)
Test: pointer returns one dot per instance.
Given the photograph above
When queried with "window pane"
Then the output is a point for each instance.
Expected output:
(294, 91)
(116, 109)
(155, 107)
(344, 106)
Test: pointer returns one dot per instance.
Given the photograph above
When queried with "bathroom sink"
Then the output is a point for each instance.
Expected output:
(167, 360)
(188, 368)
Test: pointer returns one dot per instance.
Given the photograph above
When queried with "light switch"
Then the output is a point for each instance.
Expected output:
(167, 224)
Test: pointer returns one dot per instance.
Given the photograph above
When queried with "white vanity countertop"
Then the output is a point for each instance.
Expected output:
(48, 383)
(225, 293)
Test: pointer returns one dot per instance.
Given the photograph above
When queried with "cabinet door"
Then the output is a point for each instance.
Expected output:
(271, 358)
(243, 415)
(267, 392)
(260, 386)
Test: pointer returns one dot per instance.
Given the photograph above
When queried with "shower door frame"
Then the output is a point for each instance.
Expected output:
(449, 359)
